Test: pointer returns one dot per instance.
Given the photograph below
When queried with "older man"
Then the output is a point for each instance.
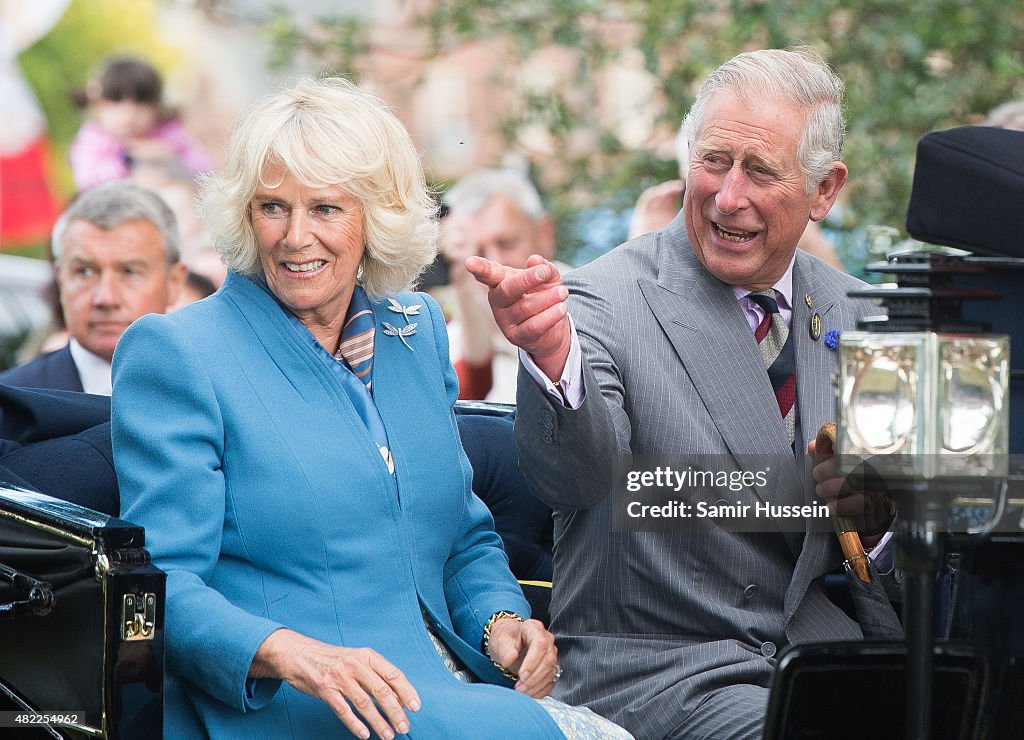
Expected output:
(115, 252)
(496, 214)
(659, 204)
(700, 343)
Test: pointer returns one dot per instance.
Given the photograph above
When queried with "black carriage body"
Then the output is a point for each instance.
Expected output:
(97, 649)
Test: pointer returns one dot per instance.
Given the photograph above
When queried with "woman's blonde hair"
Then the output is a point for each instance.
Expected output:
(327, 132)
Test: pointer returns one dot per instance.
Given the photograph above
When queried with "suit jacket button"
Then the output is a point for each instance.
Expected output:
(546, 437)
(768, 649)
(749, 591)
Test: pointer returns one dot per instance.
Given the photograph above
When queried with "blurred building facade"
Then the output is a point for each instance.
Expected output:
(455, 102)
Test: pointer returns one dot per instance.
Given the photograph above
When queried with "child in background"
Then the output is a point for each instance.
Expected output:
(129, 126)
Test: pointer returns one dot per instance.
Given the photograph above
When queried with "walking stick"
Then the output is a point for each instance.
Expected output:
(846, 530)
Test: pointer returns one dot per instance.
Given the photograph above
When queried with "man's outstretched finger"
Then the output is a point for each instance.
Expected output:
(518, 283)
(535, 302)
(485, 271)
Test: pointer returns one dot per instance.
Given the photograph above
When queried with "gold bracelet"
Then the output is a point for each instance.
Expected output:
(487, 641)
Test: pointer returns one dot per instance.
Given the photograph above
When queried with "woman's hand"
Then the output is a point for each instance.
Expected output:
(346, 679)
(527, 649)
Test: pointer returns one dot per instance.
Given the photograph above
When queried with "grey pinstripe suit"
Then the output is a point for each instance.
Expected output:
(671, 634)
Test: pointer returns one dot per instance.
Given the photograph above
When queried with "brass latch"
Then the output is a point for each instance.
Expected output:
(138, 617)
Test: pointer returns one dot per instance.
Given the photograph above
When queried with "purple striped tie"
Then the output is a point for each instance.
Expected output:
(779, 357)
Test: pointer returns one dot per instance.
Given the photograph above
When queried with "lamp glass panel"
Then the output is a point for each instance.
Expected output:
(972, 402)
(880, 385)
(925, 404)
(882, 404)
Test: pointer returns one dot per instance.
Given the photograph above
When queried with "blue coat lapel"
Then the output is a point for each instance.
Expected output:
(296, 357)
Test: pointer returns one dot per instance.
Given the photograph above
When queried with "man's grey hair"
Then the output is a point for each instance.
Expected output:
(114, 203)
(798, 75)
(472, 193)
(682, 152)
(1008, 115)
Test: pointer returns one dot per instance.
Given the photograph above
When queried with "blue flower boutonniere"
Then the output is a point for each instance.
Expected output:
(832, 339)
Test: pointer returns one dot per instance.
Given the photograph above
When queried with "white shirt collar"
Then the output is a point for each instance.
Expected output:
(93, 370)
(783, 289)
(784, 286)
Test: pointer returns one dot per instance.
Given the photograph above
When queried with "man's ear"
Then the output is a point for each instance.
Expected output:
(828, 190)
(545, 237)
(176, 277)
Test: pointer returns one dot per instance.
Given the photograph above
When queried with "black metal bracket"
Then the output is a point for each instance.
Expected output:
(32, 596)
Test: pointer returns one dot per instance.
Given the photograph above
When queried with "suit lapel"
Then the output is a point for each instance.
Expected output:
(700, 316)
(66, 371)
(703, 322)
(816, 403)
(814, 361)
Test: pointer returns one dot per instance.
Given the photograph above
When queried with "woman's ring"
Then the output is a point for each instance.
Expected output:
(558, 672)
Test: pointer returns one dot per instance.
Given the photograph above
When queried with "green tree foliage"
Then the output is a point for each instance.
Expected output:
(910, 68)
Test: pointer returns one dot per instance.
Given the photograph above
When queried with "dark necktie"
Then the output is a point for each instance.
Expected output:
(779, 357)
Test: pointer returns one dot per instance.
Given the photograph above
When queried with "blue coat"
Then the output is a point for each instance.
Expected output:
(267, 503)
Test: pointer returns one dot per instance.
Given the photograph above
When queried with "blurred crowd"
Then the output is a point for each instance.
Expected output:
(130, 133)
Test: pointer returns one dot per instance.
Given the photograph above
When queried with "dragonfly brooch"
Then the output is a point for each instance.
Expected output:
(401, 333)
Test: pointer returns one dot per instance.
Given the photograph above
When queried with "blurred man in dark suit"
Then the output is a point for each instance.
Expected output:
(115, 252)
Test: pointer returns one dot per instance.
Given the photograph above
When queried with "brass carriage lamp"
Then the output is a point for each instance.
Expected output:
(925, 393)
(923, 404)
(929, 412)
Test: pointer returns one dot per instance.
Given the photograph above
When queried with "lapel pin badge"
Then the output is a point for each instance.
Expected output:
(815, 327)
